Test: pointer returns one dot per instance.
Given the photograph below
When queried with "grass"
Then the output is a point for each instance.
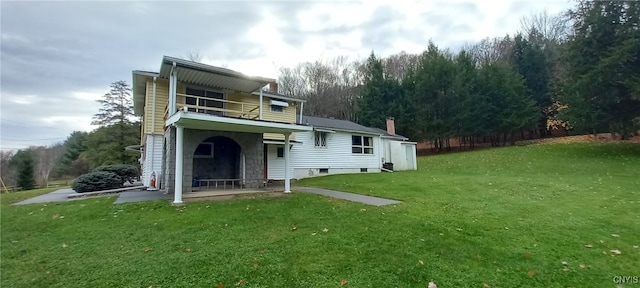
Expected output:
(503, 217)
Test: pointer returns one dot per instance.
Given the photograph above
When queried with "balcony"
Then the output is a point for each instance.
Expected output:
(214, 106)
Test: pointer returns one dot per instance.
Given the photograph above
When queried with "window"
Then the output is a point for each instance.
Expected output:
(204, 150)
(276, 108)
(323, 170)
(321, 139)
(361, 145)
(205, 99)
(363, 170)
(280, 152)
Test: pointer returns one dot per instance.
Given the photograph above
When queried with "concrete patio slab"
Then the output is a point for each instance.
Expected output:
(55, 196)
(141, 195)
(370, 200)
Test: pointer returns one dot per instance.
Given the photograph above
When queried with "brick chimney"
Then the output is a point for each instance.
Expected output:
(273, 87)
(391, 126)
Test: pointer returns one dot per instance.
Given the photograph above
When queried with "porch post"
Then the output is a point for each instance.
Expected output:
(287, 177)
(260, 104)
(179, 164)
(172, 90)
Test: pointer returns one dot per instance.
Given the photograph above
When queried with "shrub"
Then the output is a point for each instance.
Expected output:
(96, 181)
(125, 171)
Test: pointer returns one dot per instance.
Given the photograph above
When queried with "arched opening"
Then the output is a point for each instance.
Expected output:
(216, 158)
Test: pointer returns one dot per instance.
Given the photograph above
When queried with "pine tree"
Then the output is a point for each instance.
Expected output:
(118, 129)
(24, 161)
(604, 67)
(117, 106)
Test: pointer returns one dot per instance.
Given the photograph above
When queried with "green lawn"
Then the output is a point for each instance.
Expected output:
(506, 217)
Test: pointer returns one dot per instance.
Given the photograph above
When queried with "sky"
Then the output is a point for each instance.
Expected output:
(58, 57)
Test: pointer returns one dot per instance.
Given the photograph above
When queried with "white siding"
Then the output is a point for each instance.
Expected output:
(153, 158)
(401, 154)
(306, 159)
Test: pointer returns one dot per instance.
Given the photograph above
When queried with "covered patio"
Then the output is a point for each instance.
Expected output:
(187, 124)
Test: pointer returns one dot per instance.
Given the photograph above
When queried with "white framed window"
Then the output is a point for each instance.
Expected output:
(277, 109)
(361, 144)
(280, 152)
(320, 139)
(278, 106)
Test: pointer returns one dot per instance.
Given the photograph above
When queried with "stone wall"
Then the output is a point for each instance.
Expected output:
(169, 163)
(251, 149)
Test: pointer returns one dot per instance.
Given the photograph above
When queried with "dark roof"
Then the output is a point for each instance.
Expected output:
(337, 124)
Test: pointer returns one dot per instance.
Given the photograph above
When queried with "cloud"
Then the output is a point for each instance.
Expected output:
(55, 65)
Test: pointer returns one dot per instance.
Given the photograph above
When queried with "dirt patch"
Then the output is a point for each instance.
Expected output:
(599, 138)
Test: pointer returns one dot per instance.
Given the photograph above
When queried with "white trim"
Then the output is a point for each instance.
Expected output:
(177, 199)
(281, 97)
(278, 103)
(260, 116)
(324, 130)
(287, 153)
(251, 125)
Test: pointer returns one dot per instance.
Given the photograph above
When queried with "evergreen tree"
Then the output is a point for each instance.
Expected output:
(117, 106)
(530, 61)
(106, 145)
(380, 96)
(74, 146)
(24, 161)
(604, 67)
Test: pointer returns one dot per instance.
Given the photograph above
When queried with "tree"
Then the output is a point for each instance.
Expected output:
(7, 168)
(23, 160)
(379, 97)
(74, 146)
(434, 97)
(106, 145)
(603, 56)
(117, 106)
(46, 157)
(544, 28)
(105, 149)
(530, 61)
(510, 106)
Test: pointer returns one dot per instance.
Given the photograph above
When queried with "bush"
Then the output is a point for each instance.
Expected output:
(96, 181)
(125, 171)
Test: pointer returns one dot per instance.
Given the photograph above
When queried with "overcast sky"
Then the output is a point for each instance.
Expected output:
(58, 57)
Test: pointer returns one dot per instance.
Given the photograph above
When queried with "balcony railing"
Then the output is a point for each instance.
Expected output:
(208, 105)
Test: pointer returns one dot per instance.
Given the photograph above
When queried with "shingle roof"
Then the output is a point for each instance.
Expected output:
(338, 124)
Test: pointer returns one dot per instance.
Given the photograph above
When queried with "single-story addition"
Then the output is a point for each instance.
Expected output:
(207, 127)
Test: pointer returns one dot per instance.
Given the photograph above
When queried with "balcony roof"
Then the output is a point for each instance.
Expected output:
(211, 76)
(201, 121)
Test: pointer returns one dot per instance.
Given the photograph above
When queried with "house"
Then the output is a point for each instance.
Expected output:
(339, 146)
(206, 126)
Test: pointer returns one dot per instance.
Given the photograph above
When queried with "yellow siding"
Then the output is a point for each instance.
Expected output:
(288, 116)
(250, 101)
(151, 126)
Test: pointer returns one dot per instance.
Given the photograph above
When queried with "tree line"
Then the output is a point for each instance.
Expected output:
(578, 70)
(81, 151)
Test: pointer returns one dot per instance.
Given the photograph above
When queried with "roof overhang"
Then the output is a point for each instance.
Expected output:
(279, 142)
(279, 96)
(193, 120)
(324, 130)
(211, 76)
(333, 130)
(139, 89)
(399, 138)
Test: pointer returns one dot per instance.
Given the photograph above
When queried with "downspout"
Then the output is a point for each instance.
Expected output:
(301, 109)
(153, 127)
(172, 90)
(260, 104)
